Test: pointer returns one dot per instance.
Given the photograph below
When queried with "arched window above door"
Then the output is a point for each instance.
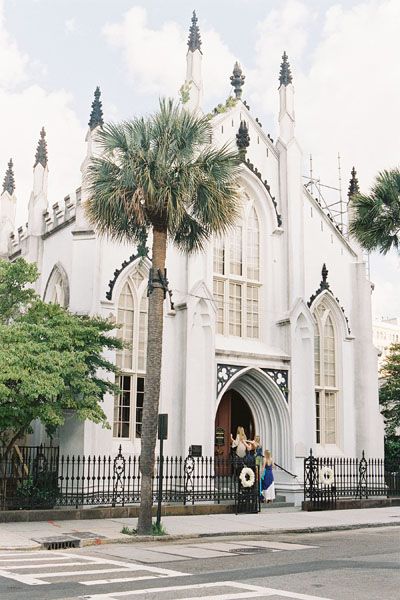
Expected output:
(237, 284)
(132, 310)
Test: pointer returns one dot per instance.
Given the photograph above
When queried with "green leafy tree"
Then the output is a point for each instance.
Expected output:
(161, 175)
(389, 398)
(376, 218)
(389, 393)
(15, 291)
(50, 359)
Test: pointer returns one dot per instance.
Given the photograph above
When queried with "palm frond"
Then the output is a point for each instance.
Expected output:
(162, 172)
(376, 221)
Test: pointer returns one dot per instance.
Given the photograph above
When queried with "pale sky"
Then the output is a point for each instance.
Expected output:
(343, 55)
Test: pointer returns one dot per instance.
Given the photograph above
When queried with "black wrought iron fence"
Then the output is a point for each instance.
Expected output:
(41, 478)
(327, 479)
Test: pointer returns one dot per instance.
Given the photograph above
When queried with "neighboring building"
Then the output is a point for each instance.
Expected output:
(385, 333)
(272, 326)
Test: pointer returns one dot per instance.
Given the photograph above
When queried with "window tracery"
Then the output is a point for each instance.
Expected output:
(131, 360)
(237, 284)
(57, 289)
(326, 375)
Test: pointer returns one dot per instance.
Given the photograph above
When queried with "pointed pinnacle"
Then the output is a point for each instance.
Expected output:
(285, 74)
(9, 181)
(243, 138)
(353, 187)
(237, 80)
(96, 115)
(41, 151)
(324, 282)
(194, 41)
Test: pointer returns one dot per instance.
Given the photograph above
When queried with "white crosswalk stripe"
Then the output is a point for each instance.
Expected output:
(225, 590)
(95, 569)
(34, 569)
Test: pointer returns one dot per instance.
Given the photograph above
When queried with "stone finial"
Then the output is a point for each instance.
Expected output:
(285, 74)
(96, 115)
(237, 80)
(353, 187)
(9, 181)
(41, 151)
(194, 41)
(324, 282)
(243, 138)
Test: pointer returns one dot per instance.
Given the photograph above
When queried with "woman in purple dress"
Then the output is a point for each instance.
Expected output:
(267, 484)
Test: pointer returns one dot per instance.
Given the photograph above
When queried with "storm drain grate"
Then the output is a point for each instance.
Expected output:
(59, 542)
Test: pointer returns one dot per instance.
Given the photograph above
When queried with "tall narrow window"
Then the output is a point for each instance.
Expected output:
(57, 288)
(237, 287)
(325, 370)
(131, 360)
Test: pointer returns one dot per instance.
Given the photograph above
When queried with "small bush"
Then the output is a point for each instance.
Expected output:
(155, 530)
(129, 531)
(158, 529)
(39, 492)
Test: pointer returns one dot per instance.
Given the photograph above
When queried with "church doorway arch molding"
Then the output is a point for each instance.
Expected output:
(269, 408)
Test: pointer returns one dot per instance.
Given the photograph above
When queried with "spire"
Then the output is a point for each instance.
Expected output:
(194, 41)
(237, 80)
(9, 181)
(353, 187)
(285, 75)
(41, 151)
(243, 138)
(96, 115)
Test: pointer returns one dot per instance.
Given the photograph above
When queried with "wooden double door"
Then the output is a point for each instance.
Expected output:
(233, 411)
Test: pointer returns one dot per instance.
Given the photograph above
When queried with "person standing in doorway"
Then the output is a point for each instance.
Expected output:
(240, 444)
(267, 478)
(258, 451)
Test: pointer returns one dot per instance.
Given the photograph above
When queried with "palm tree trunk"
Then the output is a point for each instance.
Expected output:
(152, 385)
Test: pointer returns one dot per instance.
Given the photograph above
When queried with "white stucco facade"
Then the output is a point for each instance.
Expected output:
(294, 345)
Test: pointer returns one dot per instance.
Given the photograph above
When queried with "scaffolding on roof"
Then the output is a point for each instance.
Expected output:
(329, 197)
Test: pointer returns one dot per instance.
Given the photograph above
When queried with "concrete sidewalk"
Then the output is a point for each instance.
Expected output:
(21, 536)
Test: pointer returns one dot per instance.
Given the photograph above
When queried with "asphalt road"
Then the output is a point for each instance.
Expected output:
(348, 565)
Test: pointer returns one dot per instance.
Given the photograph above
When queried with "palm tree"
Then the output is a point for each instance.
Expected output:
(161, 175)
(376, 218)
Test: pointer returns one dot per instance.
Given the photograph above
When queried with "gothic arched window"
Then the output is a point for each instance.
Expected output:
(326, 378)
(237, 278)
(131, 361)
(57, 288)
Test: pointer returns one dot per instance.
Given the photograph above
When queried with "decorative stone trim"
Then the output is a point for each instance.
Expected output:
(281, 378)
(324, 287)
(58, 227)
(278, 376)
(225, 374)
(256, 172)
(117, 273)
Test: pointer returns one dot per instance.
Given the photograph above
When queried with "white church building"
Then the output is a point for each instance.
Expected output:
(271, 327)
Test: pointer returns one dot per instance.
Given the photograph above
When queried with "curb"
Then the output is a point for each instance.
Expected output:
(190, 536)
(194, 536)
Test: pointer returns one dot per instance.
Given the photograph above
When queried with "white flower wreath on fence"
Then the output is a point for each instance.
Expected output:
(326, 476)
(247, 477)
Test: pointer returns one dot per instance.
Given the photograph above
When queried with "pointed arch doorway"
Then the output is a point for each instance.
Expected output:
(233, 412)
(269, 410)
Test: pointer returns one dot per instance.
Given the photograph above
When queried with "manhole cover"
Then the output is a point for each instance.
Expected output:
(251, 550)
(88, 535)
